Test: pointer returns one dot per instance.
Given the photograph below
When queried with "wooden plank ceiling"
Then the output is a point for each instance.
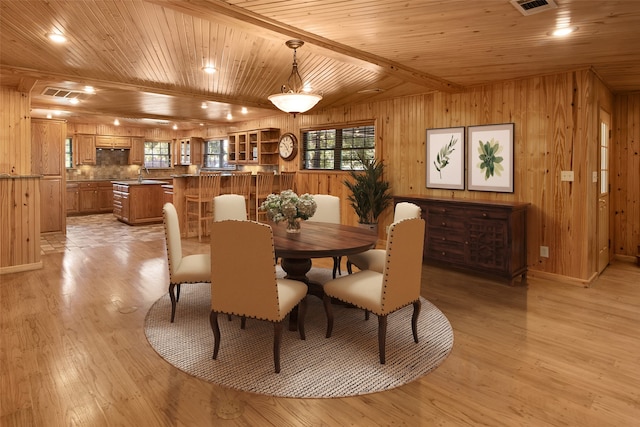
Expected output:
(145, 58)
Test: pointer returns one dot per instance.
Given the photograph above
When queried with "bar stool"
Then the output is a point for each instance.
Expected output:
(208, 188)
(240, 183)
(264, 187)
(287, 181)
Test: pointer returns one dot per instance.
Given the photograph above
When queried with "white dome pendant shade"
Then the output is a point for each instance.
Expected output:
(292, 98)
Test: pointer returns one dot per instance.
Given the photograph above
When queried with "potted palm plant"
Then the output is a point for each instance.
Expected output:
(370, 192)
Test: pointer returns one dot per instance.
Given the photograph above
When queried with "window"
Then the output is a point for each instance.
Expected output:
(339, 148)
(68, 153)
(157, 154)
(215, 153)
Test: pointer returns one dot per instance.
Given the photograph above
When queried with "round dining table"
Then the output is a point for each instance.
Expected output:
(317, 240)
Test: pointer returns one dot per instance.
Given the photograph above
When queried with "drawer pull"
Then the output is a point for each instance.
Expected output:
(444, 238)
(443, 253)
(484, 215)
(444, 224)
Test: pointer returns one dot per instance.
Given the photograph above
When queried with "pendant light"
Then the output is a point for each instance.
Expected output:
(292, 98)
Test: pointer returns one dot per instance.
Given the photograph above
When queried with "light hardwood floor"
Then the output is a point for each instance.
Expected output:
(73, 351)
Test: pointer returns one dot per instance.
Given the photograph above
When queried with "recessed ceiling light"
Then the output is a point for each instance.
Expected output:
(74, 101)
(564, 31)
(204, 105)
(56, 37)
(89, 89)
(244, 110)
(175, 127)
(49, 115)
(229, 116)
(209, 69)
(116, 122)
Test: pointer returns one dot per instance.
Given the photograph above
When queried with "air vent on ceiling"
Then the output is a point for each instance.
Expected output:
(530, 7)
(65, 93)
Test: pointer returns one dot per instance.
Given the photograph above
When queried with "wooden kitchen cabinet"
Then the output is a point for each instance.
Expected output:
(52, 210)
(105, 197)
(88, 197)
(189, 151)
(85, 198)
(107, 141)
(85, 146)
(137, 204)
(136, 154)
(487, 237)
(73, 206)
(258, 146)
(47, 159)
(268, 140)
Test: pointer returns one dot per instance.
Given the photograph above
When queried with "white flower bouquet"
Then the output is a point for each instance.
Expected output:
(288, 206)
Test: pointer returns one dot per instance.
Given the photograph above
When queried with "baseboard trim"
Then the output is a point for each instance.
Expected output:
(585, 283)
(21, 267)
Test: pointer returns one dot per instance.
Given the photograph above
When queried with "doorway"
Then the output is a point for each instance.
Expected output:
(603, 192)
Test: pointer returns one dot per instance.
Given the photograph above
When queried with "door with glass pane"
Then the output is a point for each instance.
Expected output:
(603, 190)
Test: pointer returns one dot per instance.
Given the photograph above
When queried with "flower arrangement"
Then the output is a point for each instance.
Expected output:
(288, 206)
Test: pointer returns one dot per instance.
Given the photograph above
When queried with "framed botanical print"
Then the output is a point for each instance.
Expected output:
(490, 158)
(445, 158)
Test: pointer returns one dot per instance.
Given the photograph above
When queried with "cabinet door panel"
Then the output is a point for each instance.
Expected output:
(72, 198)
(487, 244)
(85, 149)
(52, 217)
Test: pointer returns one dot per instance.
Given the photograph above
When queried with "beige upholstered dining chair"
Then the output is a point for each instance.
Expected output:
(328, 210)
(264, 187)
(251, 292)
(288, 181)
(229, 206)
(182, 269)
(373, 259)
(208, 188)
(383, 293)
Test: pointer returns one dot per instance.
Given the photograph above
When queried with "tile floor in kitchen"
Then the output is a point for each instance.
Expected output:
(89, 231)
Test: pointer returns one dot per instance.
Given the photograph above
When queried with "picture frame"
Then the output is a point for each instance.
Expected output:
(445, 158)
(490, 158)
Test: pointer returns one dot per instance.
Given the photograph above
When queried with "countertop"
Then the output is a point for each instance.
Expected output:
(143, 182)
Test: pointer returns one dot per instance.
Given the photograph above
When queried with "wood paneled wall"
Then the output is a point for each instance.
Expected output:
(556, 129)
(625, 176)
(15, 132)
(19, 224)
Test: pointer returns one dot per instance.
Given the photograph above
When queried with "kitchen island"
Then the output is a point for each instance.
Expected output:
(137, 202)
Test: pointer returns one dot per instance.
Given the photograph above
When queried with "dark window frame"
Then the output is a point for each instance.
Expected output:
(338, 147)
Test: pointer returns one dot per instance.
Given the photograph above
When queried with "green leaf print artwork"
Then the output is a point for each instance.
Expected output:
(490, 162)
(442, 159)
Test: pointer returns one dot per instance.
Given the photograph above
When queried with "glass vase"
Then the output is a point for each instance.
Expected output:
(293, 225)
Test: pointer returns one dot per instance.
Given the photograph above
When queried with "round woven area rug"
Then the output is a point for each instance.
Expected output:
(346, 364)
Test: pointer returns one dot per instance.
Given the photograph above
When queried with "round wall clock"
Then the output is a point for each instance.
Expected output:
(288, 146)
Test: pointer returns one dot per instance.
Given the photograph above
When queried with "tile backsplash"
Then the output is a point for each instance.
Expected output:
(114, 164)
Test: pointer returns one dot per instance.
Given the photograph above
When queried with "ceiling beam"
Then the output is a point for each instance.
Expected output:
(29, 74)
(216, 10)
(88, 112)
(26, 84)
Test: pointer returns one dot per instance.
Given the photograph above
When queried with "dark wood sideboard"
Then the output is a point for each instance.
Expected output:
(482, 236)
